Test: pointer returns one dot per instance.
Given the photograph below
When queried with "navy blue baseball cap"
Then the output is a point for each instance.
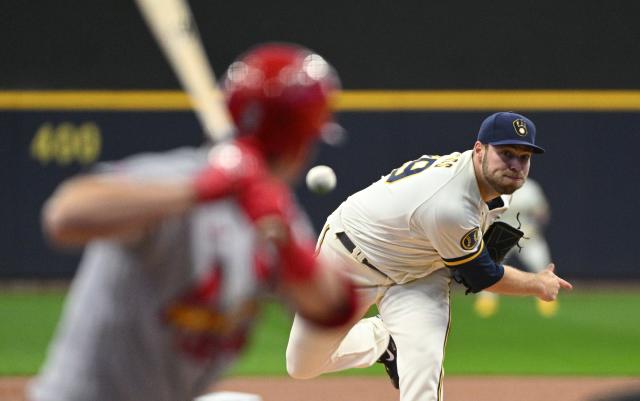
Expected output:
(507, 128)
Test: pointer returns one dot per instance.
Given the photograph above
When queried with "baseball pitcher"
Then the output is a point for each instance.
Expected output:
(403, 239)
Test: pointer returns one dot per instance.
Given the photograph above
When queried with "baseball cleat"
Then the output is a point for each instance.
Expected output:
(388, 359)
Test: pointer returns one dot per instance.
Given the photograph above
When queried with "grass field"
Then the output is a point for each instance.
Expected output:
(595, 333)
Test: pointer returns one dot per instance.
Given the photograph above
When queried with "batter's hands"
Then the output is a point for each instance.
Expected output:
(232, 167)
(551, 284)
(237, 170)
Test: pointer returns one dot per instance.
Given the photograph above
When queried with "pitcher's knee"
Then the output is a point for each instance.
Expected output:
(299, 366)
(299, 371)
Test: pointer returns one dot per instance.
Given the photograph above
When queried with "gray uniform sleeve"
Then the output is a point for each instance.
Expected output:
(175, 164)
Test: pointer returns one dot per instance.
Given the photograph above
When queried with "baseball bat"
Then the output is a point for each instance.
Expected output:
(175, 30)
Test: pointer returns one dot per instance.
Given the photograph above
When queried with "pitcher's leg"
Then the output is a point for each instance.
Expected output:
(362, 346)
(417, 316)
(312, 350)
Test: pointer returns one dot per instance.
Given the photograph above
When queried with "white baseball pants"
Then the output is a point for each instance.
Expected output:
(415, 314)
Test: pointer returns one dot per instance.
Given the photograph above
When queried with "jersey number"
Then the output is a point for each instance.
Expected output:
(411, 168)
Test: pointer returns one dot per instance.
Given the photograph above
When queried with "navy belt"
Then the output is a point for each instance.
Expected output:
(350, 246)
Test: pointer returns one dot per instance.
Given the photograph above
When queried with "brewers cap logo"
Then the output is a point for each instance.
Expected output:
(520, 127)
(470, 239)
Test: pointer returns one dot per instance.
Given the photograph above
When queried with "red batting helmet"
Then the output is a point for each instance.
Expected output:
(280, 95)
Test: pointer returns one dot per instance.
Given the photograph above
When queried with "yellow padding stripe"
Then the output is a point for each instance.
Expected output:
(95, 100)
(467, 259)
(348, 100)
(485, 100)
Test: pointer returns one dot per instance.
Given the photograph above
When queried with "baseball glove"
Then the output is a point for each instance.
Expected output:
(500, 238)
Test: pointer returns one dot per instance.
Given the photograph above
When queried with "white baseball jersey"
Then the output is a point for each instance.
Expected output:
(160, 319)
(421, 217)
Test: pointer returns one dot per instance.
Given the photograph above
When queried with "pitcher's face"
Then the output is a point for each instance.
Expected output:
(506, 167)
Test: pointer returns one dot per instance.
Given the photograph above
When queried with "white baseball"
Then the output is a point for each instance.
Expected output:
(321, 179)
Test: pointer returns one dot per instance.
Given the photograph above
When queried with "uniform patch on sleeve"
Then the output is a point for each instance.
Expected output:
(470, 239)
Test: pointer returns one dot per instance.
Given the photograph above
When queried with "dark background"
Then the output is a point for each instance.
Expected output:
(590, 172)
(374, 44)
